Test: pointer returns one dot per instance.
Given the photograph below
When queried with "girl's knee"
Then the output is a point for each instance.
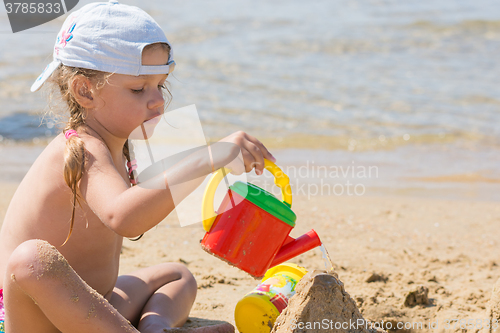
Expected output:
(185, 276)
(190, 284)
(23, 259)
(34, 259)
(191, 281)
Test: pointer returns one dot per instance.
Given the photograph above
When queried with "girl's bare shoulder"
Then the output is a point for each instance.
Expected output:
(49, 166)
(46, 175)
(56, 150)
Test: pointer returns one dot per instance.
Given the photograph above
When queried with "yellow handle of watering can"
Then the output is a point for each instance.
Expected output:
(207, 206)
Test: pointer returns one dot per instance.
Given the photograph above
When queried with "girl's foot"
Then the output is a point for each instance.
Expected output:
(220, 328)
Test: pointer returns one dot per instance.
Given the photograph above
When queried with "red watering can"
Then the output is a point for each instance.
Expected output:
(252, 231)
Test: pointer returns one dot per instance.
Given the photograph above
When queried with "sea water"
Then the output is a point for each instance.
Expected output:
(361, 80)
(359, 72)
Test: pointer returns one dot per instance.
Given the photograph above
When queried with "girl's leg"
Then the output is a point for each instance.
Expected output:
(159, 297)
(43, 294)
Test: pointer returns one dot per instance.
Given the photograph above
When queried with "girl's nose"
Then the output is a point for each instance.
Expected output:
(156, 100)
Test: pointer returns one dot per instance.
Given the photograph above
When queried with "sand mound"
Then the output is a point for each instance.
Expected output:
(321, 304)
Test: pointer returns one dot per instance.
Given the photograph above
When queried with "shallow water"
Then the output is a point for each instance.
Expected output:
(346, 68)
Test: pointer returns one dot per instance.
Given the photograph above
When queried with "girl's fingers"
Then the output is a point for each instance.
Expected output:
(248, 159)
(267, 154)
(263, 149)
(252, 150)
(258, 158)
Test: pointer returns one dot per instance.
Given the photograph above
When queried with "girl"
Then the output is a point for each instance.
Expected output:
(62, 234)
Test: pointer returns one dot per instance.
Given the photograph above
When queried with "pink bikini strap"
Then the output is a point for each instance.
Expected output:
(70, 133)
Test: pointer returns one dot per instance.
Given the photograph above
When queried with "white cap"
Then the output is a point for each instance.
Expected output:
(108, 37)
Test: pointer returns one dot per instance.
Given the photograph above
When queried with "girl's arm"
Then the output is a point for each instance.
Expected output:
(132, 211)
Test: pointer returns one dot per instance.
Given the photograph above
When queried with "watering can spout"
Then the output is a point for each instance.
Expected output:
(294, 247)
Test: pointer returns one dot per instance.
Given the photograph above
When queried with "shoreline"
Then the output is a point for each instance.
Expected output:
(409, 171)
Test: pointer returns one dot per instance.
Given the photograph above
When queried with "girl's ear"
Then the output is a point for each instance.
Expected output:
(81, 88)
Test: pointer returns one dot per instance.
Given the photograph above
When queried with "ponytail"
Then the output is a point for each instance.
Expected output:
(74, 164)
(74, 153)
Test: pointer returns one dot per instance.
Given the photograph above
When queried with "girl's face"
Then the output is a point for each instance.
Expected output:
(125, 102)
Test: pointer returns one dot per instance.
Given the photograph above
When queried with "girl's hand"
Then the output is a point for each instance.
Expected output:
(252, 151)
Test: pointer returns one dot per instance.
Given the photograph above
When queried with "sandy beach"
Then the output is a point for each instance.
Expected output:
(409, 88)
(449, 246)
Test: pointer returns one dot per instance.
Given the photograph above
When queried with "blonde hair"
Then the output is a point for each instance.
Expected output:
(74, 154)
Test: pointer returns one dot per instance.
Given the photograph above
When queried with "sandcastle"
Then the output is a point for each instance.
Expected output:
(321, 304)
